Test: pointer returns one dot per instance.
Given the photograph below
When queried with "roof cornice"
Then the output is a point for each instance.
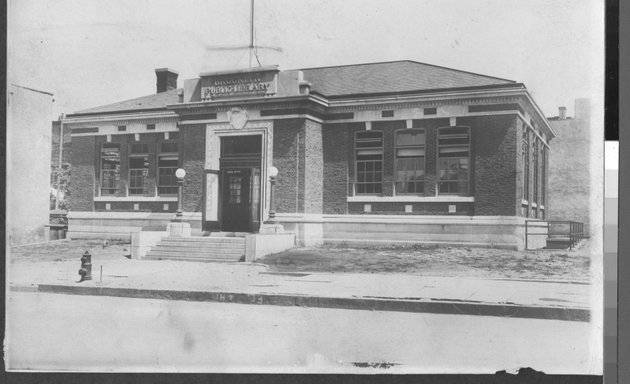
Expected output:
(222, 103)
(107, 117)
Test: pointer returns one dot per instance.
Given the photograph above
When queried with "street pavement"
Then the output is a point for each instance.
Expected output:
(90, 333)
(134, 278)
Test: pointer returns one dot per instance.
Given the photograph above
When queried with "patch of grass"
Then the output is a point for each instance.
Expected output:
(65, 250)
(423, 260)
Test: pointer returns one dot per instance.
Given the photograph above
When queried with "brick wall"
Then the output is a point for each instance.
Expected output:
(520, 127)
(82, 186)
(492, 169)
(337, 150)
(286, 155)
(398, 208)
(301, 164)
(495, 143)
(313, 167)
(192, 150)
(127, 206)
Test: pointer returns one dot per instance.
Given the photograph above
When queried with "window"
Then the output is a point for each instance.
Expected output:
(536, 173)
(543, 180)
(168, 161)
(430, 111)
(525, 155)
(138, 168)
(453, 160)
(110, 168)
(410, 152)
(369, 162)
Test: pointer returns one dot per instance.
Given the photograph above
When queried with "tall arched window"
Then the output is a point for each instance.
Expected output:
(369, 162)
(525, 156)
(410, 161)
(110, 168)
(453, 160)
(536, 165)
(138, 168)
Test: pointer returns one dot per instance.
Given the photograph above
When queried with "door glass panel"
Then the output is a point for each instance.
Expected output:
(235, 189)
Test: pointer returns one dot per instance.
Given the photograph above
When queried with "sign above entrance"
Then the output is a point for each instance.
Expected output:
(238, 117)
(252, 82)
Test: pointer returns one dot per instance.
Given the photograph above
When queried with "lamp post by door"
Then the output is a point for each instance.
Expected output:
(273, 173)
(180, 174)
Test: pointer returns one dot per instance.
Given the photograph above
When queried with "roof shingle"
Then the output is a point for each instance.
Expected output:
(154, 101)
(386, 77)
(392, 77)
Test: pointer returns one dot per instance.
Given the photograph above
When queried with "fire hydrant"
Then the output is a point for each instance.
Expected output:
(86, 267)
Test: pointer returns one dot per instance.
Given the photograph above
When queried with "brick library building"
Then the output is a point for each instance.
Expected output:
(383, 153)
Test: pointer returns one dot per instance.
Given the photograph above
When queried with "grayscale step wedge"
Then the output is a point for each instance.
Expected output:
(210, 249)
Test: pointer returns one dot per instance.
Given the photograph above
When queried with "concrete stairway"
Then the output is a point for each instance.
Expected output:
(211, 249)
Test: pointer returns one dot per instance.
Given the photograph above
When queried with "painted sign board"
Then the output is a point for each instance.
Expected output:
(250, 83)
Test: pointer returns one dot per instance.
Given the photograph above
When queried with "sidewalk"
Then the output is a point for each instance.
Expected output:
(254, 284)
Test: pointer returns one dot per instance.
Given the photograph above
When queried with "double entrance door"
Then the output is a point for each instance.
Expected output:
(240, 183)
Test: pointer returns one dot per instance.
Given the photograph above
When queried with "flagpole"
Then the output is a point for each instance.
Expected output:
(251, 31)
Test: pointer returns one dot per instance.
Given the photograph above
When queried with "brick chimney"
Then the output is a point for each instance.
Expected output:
(166, 79)
(562, 113)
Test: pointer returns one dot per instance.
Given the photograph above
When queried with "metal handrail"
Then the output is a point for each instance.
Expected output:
(575, 233)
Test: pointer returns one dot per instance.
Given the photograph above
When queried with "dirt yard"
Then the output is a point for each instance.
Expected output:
(434, 261)
(455, 261)
(62, 250)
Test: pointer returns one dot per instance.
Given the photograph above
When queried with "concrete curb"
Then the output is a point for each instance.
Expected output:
(459, 307)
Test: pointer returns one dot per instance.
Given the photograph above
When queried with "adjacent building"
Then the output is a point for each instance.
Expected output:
(570, 176)
(392, 152)
(28, 164)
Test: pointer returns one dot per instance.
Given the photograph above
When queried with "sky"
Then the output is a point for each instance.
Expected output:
(94, 52)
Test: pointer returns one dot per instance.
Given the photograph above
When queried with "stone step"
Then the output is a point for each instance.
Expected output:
(199, 253)
(197, 259)
(210, 240)
(229, 234)
(197, 248)
(201, 245)
(192, 257)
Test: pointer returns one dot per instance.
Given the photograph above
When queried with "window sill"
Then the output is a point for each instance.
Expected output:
(135, 198)
(410, 199)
